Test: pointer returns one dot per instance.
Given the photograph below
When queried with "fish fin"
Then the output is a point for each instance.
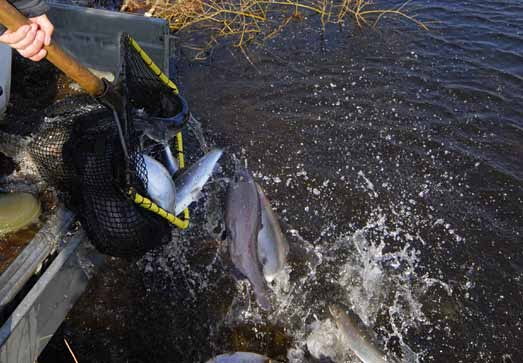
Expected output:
(262, 299)
(237, 274)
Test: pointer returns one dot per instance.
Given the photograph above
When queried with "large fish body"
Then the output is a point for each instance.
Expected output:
(241, 357)
(160, 185)
(272, 244)
(190, 183)
(243, 220)
(357, 336)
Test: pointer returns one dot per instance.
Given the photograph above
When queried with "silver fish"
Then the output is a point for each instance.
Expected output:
(243, 220)
(160, 185)
(272, 244)
(241, 357)
(190, 183)
(170, 161)
(357, 336)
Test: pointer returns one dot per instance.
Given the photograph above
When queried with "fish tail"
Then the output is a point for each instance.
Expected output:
(262, 299)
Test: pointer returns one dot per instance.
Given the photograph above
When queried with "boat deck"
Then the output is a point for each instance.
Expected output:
(46, 267)
(13, 244)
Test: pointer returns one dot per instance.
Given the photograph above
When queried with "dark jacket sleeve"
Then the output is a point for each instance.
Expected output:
(29, 8)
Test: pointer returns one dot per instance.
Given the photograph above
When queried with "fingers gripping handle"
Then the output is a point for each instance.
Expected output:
(12, 19)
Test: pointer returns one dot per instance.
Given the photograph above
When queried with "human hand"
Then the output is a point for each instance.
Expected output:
(29, 40)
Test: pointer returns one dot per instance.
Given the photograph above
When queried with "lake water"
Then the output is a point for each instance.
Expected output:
(395, 160)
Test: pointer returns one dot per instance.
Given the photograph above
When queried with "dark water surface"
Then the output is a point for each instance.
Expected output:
(404, 143)
(432, 119)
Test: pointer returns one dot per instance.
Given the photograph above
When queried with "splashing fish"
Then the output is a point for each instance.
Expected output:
(241, 357)
(190, 183)
(357, 336)
(272, 244)
(243, 220)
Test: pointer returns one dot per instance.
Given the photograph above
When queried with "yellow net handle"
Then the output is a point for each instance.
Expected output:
(148, 204)
(142, 201)
(156, 70)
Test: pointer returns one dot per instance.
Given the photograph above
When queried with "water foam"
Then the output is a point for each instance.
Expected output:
(374, 269)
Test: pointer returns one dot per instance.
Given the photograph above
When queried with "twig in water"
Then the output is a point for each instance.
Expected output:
(70, 351)
(242, 22)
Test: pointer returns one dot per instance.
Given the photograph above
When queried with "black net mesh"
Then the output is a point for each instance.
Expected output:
(157, 111)
(82, 155)
(47, 149)
(115, 224)
(146, 92)
(47, 145)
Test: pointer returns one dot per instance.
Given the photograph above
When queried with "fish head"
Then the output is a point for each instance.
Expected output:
(262, 298)
(348, 317)
(264, 201)
(240, 192)
(336, 311)
(243, 176)
(160, 186)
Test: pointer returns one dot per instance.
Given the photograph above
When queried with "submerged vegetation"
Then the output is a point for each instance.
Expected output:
(244, 22)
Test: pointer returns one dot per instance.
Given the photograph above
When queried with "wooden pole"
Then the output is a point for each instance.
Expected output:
(12, 19)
